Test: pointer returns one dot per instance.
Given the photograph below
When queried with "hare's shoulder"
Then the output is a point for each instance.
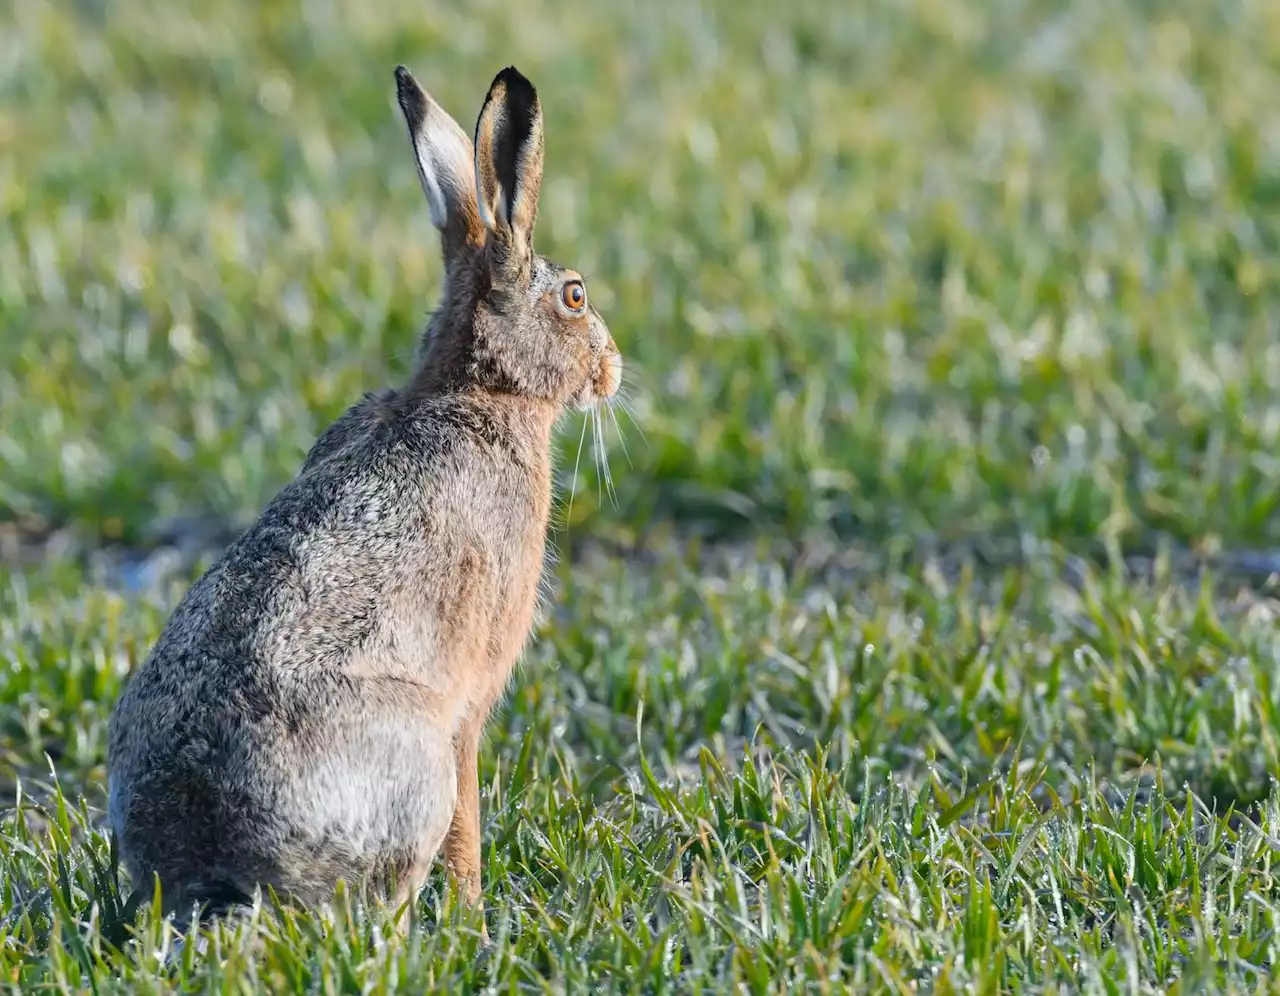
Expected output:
(381, 493)
(373, 484)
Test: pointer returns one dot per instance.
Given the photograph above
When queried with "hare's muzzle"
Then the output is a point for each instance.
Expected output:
(609, 379)
(603, 367)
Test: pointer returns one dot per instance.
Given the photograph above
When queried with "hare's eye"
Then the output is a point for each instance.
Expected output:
(574, 295)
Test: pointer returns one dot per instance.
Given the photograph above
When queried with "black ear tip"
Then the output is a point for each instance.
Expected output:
(516, 82)
(412, 100)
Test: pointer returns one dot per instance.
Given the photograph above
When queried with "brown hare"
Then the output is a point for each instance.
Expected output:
(312, 710)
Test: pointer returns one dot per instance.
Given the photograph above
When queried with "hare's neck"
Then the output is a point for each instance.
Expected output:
(526, 422)
(529, 424)
(531, 419)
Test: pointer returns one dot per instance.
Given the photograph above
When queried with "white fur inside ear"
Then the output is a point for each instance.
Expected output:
(444, 162)
(486, 215)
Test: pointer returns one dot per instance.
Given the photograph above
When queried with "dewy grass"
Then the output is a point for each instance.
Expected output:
(990, 272)
(744, 778)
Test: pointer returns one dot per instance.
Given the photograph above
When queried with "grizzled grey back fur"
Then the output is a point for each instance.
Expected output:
(299, 720)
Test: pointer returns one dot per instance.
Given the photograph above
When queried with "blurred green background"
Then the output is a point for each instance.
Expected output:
(938, 268)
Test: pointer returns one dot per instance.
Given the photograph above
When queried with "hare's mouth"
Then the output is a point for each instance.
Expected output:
(604, 385)
(610, 377)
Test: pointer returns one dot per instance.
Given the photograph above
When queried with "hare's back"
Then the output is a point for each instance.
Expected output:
(245, 741)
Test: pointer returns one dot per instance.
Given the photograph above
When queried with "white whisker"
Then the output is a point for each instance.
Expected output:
(618, 428)
(595, 448)
(573, 489)
(627, 410)
(602, 457)
(634, 376)
(608, 467)
(595, 452)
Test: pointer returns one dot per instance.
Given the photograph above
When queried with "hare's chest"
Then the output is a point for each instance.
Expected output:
(504, 617)
(515, 609)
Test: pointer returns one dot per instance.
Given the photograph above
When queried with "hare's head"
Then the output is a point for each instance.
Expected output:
(509, 319)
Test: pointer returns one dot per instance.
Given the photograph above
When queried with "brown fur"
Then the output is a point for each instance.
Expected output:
(313, 709)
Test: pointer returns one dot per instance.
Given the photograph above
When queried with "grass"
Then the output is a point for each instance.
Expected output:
(746, 778)
(976, 300)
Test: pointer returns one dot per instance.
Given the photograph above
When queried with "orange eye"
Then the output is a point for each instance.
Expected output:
(574, 295)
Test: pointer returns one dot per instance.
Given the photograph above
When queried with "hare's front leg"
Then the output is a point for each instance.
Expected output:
(462, 844)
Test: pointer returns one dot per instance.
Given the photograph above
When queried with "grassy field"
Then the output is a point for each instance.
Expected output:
(895, 664)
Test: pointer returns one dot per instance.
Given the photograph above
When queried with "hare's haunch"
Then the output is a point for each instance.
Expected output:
(312, 709)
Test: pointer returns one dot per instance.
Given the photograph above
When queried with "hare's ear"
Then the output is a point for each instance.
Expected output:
(444, 159)
(509, 161)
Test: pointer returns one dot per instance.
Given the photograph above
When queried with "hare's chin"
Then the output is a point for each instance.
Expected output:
(587, 399)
